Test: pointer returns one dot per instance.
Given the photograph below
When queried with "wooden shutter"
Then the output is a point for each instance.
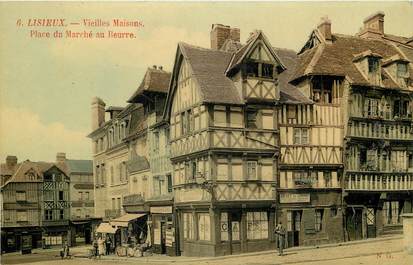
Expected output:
(308, 219)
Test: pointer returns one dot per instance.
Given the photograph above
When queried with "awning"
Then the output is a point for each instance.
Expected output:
(125, 219)
(106, 228)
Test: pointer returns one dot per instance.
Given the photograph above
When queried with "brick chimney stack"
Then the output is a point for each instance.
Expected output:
(11, 161)
(325, 29)
(220, 33)
(98, 113)
(61, 158)
(373, 26)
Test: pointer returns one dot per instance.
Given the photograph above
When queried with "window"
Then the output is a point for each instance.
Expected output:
(252, 170)
(401, 70)
(300, 136)
(333, 212)
(267, 70)
(327, 179)
(78, 213)
(21, 196)
(257, 225)
(363, 157)
(80, 196)
(373, 64)
(156, 142)
(48, 215)
(61, 214)
(87, 196)
(186, 122)
(252, 121)
(371, 107)
(372, 159)
(169, 179)
(204, 226)
(113, 203)
(61, 195)
(252, 69)
(119, 206)
(22, 216)
(48, 195)
(112, 176)
(318, 219)
(188, 225)
(224, 226)
(303, 179)
(157, 186)
(391, 212)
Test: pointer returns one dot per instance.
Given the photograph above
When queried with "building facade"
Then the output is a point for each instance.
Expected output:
(81, 200)
(372, 72)
(36, 204)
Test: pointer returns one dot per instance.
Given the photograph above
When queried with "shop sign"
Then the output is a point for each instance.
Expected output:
(161, 209)
(294, 197)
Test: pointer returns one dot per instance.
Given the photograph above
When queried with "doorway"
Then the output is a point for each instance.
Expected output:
(354, 223)
(293, 228)
(371, 222)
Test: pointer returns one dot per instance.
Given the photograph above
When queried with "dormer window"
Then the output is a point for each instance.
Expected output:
(373, 64)
(402, 70)
(267, 70)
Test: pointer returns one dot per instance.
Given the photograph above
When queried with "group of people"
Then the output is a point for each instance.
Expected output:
(102, 246)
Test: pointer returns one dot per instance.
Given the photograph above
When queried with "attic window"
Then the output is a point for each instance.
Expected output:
(373, 64)
(252, 69)
(267, 70)
(401, 70)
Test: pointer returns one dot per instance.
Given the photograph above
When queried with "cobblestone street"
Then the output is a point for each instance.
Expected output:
(383, 251)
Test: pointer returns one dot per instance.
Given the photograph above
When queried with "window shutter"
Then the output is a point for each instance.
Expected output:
(309, 220)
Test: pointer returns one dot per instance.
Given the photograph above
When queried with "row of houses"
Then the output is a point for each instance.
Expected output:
(46, 204)
(240, 136)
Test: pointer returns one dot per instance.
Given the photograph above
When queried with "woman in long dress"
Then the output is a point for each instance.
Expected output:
(101, 246)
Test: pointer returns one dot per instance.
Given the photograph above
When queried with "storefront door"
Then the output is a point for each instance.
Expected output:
(163, 237)
(354, 223)
(293, 228)
(371, 223)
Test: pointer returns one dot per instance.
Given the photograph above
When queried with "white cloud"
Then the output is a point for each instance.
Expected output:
(23, 134)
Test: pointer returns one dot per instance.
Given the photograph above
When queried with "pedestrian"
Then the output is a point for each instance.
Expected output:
(101, 247)
(95, 247)
(63, 251)
(108, 244)
(280, 233)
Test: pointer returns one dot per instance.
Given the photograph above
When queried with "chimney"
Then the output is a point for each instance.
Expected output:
(98, 112)
(154, 67)
(235, 34)
(160, 67)
(325, 28)
(373, 26)
(11, 161)
(220, 33)
(61, 158)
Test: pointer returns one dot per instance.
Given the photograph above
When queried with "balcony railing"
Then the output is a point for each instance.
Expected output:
(379, 182)
(112, 213)
(379, 131)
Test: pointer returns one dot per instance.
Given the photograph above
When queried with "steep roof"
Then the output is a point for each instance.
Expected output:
(337, 58)
(80, 166)
(155, 80)
(208, 67)
(243, 51)
(289, 94)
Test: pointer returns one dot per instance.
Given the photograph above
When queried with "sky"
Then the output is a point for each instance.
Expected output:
(46, 85)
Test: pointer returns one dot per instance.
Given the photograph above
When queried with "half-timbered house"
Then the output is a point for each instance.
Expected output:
(21, 202)
(310, 161)
(222, 109)
(151, 181)
(365, 81)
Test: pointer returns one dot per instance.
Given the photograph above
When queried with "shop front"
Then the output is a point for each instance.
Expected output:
(12, 238)
(311, 217)
(81, 232)
(162, 230)
(372, 214)
(55, 236)
(228, 228)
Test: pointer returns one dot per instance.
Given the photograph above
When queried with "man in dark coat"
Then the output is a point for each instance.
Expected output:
(280, 233)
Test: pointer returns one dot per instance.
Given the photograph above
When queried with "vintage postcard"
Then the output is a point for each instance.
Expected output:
(206, 132)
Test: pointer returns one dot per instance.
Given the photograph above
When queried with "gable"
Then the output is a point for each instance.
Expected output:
(261, 53)
(314, 40)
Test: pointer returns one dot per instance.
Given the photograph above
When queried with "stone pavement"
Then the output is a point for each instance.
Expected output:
(379, 247)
